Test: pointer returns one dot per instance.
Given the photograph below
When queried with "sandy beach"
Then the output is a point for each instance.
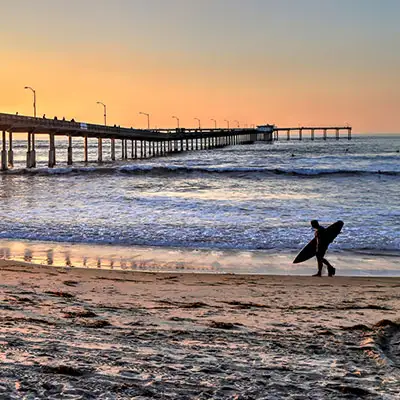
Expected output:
(69, 333)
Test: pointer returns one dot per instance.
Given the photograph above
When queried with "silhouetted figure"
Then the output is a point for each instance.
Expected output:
(16, 113)
(322, 247)
(55, 118)
(63, 119)
(44, 116)
(72, 120)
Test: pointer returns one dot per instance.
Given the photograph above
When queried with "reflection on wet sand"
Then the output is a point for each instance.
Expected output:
(161, 259)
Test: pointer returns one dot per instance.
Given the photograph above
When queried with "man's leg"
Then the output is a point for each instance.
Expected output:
(320, 265)
(331, 269)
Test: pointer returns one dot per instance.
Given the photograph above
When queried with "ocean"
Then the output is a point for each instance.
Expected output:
(244, 208)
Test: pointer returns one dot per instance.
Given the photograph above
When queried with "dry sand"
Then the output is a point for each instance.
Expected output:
(95, 334)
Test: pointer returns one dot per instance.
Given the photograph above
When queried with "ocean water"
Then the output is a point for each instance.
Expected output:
(245, 199)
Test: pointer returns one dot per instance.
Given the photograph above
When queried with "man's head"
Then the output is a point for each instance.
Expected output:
(315, 224)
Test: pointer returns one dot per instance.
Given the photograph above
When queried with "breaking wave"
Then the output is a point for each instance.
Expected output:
(171, 170)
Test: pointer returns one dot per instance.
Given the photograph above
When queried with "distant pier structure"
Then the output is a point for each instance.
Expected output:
(299, 132)
(135, 143)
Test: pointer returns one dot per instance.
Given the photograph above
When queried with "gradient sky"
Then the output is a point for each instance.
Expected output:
(287, 62)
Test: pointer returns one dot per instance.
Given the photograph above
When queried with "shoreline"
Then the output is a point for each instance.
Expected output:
(193, 260)
(105, 334)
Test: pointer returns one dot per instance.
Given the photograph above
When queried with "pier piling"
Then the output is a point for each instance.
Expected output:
(112, 144)
(4, 165)
(100, 150)
(52, 151)
(85, 149)
(10, 150)
(69, 156)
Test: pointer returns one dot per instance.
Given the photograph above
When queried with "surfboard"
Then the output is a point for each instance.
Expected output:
(309, 250)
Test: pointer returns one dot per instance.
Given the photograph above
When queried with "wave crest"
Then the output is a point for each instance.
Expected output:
(172, 169)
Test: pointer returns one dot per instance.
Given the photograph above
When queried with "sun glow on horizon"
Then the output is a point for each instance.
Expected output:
(243, 70)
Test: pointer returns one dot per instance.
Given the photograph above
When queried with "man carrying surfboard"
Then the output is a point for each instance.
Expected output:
(322, 243)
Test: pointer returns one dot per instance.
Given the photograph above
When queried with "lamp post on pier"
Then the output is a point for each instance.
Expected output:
(177, 120)
(100, 140)
(148, 118)
(105, 112)
(198, 120)
(227, 122)
(34, 99)
(215, 123)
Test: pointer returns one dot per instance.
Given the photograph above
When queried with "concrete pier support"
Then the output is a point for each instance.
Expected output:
(132, 149)
(113, 149)
(312, 134)
(288, 134)
(145, 149)
(325, 135)
(141, 149)
(349, 133)
(126, 149)
(4, 164)
(10, 150)
(300, 134)
(69, 157)
(28, 151)
(100, 150)
(52, 151)
(31, 152)
(85, 149)
(337, 134)
(135, 149)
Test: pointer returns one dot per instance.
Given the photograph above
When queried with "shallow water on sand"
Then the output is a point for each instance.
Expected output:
(217, 261)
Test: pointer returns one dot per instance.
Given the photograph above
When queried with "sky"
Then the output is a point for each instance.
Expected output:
(286, 62)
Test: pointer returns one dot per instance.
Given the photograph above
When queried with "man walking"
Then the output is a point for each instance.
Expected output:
(322, 247)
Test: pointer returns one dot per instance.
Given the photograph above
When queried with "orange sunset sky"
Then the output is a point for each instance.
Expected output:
(286, 62)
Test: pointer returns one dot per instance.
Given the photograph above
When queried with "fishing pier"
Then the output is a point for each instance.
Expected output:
(290, 132)
(135, 143)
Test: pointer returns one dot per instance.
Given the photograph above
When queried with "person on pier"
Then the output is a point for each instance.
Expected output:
(322, 247)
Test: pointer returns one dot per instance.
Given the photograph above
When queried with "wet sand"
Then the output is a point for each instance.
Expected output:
(69, 333)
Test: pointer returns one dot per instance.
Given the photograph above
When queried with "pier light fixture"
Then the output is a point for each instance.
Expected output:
(198, 120)
(215, 123)
(105, 112)
(34, 99)
(177, 120)
(227, 122)
(237, 122)
(148, 118)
